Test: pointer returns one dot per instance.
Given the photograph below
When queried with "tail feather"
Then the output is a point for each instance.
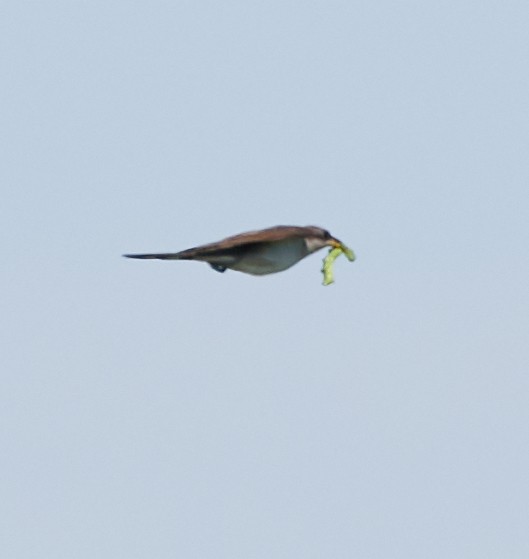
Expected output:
(161, 256)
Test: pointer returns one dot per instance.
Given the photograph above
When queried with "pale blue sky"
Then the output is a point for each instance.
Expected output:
(161, 410)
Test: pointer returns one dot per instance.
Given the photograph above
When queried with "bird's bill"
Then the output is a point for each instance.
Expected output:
(335, 243)
(339, 247)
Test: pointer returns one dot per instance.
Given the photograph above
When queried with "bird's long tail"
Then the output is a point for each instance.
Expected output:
(160, 256)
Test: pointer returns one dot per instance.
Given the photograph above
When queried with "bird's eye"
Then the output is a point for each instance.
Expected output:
(326, 235)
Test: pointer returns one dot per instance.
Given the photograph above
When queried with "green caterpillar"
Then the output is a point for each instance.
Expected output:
(328, 261)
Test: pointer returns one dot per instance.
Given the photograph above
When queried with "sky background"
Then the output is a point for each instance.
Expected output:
(160, 409)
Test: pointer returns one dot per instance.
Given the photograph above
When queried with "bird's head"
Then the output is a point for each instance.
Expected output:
(318, 238)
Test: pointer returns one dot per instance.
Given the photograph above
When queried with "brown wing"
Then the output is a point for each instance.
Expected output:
(263, 235)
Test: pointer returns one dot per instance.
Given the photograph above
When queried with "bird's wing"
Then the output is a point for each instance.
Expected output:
(272, 234)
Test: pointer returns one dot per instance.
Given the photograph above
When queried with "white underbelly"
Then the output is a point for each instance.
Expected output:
(274, 257)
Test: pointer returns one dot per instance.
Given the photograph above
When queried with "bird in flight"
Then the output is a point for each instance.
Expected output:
(257, 252)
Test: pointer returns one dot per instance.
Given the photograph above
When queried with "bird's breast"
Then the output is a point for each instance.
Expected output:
(268, 258)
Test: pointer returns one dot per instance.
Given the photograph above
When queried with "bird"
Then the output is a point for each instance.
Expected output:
(258, 253)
